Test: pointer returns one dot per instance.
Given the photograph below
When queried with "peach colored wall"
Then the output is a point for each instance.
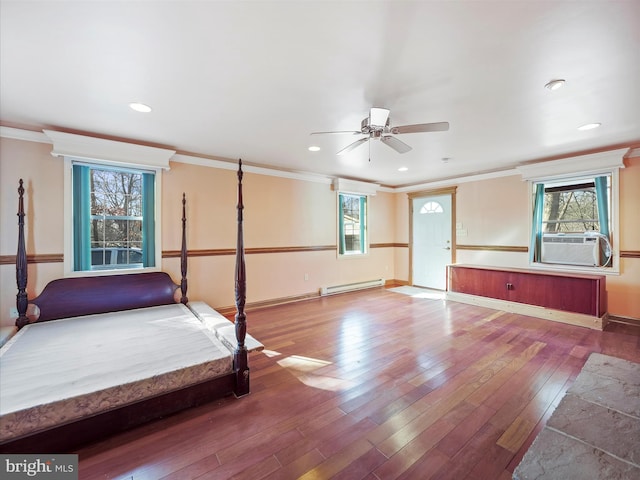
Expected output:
(493, 212)
(43, 178)
(624, 290)
(279, 212)
(211, 207)
(401, 254)
(43, 199)
(629, 205)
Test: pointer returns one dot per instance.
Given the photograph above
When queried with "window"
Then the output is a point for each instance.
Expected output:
(112, 207)
(572, 221)
(352, 224)
(113, 217)
(574, 212)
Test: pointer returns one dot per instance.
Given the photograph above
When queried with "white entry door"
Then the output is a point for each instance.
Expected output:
(432, 217)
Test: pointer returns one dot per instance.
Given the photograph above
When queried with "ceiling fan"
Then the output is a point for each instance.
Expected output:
(377, 126)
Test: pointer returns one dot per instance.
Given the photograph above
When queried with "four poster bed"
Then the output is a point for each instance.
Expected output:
(98, 355)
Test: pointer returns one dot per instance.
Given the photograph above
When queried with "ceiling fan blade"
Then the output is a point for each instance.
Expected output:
(421, 127)
(350, 147)
(396, 144)
(350, 132)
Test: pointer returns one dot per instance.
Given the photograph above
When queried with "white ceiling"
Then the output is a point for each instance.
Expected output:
(254, 79)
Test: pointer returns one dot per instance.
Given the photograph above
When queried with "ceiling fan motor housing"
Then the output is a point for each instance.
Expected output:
(368, 129)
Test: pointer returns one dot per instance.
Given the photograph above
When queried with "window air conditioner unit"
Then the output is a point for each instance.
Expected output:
(571, 249)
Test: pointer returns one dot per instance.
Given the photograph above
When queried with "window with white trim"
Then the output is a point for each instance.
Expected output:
(574, 212)
(112, 204)
(352, 224)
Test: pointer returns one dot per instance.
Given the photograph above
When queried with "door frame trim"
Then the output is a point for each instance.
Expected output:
(451, 191)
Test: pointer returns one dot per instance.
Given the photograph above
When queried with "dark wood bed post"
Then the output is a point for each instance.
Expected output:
(21, 264)
(240, 356)
(183, 253)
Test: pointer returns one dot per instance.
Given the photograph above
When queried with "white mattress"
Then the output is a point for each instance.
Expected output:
(55, 372)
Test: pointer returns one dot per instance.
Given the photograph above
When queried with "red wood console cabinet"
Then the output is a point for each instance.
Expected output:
(555, 293)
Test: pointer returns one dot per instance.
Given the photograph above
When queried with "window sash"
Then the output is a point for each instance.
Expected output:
(81, 215)
(361, 225)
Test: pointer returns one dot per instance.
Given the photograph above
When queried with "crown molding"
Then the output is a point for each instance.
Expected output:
(450, 182)
(26, 135)
(248, 168)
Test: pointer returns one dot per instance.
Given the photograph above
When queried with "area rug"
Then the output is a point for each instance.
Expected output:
(595, 431)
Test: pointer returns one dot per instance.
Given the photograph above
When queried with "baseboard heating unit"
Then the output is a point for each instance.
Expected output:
(349, 287)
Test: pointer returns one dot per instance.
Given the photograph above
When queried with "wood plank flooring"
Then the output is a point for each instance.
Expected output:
(372, 385)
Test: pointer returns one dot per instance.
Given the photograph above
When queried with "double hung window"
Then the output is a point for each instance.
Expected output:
(113, 217)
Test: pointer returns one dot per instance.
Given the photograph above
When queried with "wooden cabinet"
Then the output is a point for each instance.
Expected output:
(574, 293)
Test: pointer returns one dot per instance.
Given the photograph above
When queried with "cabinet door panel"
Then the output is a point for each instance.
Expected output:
(569, 294)
(485, 283)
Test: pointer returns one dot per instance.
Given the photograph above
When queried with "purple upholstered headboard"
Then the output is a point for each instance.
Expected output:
(72, 297)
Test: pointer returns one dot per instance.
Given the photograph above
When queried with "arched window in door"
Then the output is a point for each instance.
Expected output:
(431, 207)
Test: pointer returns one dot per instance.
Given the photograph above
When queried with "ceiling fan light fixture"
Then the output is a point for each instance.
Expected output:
(555, 84)
(378, 117)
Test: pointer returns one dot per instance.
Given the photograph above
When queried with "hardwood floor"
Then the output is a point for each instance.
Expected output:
(372, 385)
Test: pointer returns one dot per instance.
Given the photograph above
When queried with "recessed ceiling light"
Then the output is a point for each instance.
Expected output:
(445, 159)
(589, 126)
(555, 84)
(140, 107)
(403, 169)
(314, 148)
